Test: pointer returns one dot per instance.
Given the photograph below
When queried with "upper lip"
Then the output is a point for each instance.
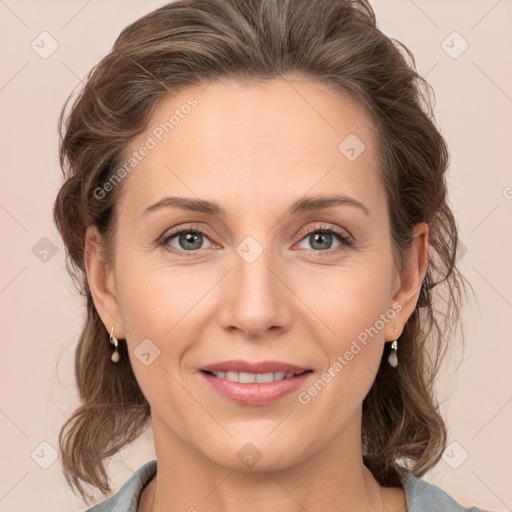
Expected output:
(257, 367)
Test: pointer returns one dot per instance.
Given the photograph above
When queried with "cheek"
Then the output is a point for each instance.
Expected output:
(352, 349)
(154, 299)
(348, 300)
(154, 310)
(354, 309)
(162, 308)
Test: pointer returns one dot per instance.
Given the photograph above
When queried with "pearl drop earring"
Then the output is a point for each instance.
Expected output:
(114, 341)
(393, 358)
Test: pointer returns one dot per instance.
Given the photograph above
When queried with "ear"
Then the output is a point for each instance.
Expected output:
(410, 277)
(101, 283)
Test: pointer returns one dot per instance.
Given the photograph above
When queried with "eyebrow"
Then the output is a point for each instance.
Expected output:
(305, 204)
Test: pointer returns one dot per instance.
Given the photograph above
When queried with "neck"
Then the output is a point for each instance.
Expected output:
(331, 479)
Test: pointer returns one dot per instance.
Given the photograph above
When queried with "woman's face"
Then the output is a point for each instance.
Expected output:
(264, 279)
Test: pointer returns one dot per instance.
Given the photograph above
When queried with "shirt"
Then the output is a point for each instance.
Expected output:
(420, 495)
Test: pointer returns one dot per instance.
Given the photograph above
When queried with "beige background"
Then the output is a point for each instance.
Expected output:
(41, 318)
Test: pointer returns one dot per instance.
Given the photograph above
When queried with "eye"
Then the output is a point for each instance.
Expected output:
(320, 238)
(188, 241)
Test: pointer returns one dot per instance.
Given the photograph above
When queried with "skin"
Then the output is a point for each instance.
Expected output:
(255, 149)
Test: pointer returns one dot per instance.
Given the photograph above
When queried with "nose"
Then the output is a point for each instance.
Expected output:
(257, 300)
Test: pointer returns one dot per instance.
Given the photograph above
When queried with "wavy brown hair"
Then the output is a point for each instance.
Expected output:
(190, 42)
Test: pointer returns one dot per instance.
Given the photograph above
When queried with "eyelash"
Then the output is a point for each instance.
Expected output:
(345, 240)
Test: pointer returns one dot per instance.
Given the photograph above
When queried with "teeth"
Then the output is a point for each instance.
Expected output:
(248, 378)
(232, 376)
(278, 375)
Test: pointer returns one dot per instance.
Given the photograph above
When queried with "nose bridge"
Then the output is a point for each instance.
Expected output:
(253, 267)
(257, 299)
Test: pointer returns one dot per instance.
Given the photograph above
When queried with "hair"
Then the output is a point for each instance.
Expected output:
(336, 43)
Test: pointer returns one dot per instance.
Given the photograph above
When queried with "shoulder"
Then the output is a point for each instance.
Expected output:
(422, 496)
(127, 498)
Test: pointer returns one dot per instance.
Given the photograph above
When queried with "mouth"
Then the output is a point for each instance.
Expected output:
(254, 384)
(255, 378)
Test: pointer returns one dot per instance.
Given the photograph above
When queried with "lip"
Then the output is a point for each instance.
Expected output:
(240, 365)
(255, 393)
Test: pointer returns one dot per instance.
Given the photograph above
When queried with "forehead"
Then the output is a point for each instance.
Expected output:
(236, 140)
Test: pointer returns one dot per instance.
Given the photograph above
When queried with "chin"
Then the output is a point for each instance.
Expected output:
(258, 454)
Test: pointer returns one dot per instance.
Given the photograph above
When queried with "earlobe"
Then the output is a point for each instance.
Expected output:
(411, 275)
(101, 283)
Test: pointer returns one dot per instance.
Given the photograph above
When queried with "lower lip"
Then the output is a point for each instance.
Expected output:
(255, 393)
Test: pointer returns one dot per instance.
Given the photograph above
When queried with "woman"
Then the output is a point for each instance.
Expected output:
(255, 210)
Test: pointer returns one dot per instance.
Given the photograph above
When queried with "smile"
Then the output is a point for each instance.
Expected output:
(254, 388)
(251, 378)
